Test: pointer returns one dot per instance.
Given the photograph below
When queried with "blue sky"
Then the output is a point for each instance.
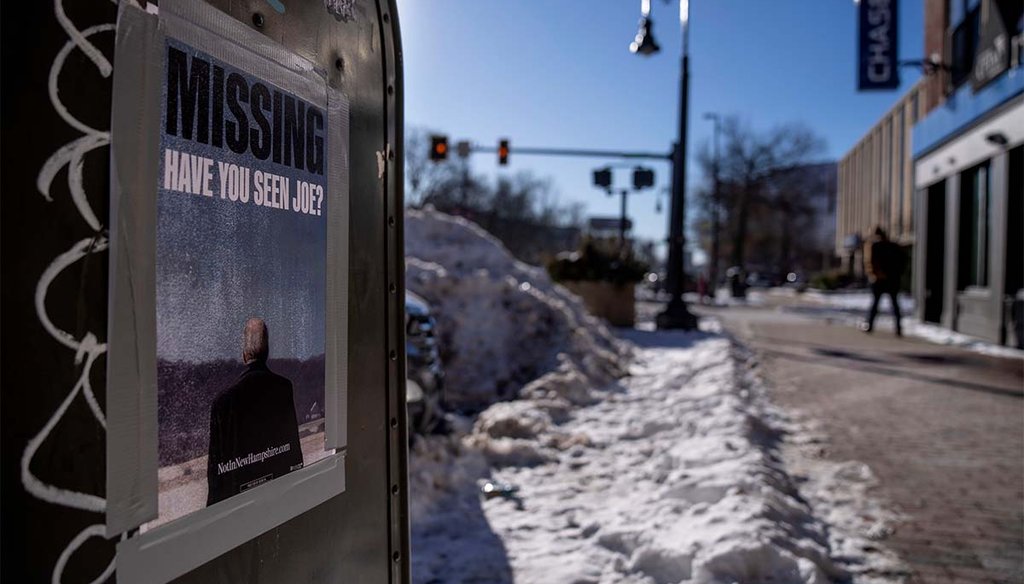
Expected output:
(559, 73)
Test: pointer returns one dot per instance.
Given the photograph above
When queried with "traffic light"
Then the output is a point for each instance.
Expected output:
(438, 148)
(603, 178)
(642, 178)
(503, 152)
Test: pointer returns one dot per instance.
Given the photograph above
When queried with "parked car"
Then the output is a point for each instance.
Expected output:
(424, 389)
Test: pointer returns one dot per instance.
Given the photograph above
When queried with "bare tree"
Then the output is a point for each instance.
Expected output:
(522, 210)
(756, 184)
(420, 170)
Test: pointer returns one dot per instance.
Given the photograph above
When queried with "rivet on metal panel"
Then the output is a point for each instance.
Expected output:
(393, 354)
(391, 89)
(339, 64)
(393, 288)
(396, 556)
(391, 221)
(386, 18)
(394, 422)
(394, 489)
(258, 20)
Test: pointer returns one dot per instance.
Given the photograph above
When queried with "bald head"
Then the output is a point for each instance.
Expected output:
(255, 341)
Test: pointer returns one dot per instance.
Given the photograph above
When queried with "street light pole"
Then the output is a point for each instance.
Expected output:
(716, 205)
(677, 315)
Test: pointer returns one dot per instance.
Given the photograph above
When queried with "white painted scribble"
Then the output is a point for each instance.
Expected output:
(71, 154)
(89, 348)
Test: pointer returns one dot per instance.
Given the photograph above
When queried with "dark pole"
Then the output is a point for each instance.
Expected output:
(580, 152)
(716, 206)
(465, 185)
(676, 315)
(622, 221)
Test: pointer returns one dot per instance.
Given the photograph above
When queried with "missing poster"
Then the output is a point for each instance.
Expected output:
(240, 282)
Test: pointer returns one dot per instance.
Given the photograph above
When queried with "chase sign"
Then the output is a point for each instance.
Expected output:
(877, 57)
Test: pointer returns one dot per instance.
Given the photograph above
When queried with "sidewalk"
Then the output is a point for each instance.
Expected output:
(669, 475)
(942, 428)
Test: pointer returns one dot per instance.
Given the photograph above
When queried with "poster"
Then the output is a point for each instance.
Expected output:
(240, 282)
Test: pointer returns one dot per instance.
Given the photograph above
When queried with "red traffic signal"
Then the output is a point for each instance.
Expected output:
(503, 152)
(438, 148)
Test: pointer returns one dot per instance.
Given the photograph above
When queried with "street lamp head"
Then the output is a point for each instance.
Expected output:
(644, 43)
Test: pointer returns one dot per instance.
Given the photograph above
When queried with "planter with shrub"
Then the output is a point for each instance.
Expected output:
(605, 278)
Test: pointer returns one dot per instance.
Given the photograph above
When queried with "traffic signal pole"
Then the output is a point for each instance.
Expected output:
(580, 152)
(676, 314)
(622, 219)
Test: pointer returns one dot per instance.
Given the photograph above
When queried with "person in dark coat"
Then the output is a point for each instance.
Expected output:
(887, 263)
(254, 434)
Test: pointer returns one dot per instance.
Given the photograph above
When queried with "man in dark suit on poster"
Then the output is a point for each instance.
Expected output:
(254, 434)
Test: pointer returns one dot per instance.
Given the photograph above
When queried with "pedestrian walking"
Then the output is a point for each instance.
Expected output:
(886, 264)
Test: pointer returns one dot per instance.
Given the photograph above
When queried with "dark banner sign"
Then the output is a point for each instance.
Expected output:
(993, 54)
(877, 45)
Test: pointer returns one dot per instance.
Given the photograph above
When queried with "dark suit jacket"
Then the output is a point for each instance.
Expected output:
(254, 435)
(887, 262)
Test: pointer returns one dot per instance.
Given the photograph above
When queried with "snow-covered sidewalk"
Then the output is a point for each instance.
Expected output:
(587, 458)
(674, 474)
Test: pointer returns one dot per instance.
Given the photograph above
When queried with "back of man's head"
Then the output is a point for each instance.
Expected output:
(255, 341)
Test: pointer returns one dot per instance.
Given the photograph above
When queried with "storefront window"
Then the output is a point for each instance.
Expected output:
(974, 227)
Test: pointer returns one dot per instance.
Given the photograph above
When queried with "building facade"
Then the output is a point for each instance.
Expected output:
(967, 155)
(875, 183)
(941, 171)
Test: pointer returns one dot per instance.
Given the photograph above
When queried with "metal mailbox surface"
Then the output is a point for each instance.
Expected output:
(56, 237)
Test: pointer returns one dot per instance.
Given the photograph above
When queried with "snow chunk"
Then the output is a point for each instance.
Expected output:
(518, 419)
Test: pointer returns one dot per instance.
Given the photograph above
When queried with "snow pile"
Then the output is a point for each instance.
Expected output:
(671, 475)
(502, 323)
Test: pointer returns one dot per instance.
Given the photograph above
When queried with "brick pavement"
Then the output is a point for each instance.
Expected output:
(942, 429)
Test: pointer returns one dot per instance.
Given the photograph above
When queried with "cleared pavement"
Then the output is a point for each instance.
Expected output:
(941, 427)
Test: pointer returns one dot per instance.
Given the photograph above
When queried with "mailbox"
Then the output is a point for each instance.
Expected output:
(203, 331)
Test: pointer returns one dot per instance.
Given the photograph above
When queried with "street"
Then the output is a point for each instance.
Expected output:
(940, 427)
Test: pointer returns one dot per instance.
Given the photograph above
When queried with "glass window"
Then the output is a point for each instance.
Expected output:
(974, 227)
(964, 43)
(899, 160)
(955, 10)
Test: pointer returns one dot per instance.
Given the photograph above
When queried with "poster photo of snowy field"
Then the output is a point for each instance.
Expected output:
(240, 323)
